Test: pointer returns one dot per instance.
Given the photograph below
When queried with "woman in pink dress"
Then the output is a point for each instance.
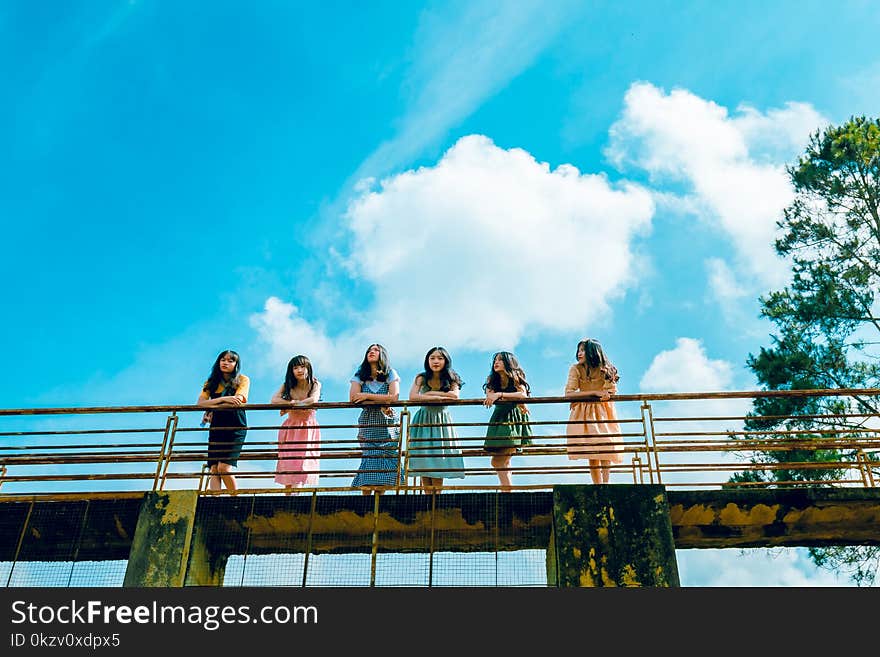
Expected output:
(299, 439)
(593, 424)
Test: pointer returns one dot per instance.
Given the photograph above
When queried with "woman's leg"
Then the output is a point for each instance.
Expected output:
(501, 461)
(596, 471)
(606, 471)
(225, 472)
(213, 480)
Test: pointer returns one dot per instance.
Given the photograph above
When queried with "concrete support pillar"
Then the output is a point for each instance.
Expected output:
(206, 567)
(611, 535)
(161, 545)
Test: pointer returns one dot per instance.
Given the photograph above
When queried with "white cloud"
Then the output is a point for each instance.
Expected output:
(478, 250)
(733, 167)
(462, 55)
(686, 368)
(287, 334)
(779, 134)
(752, 567)
(734, 298)
(723, 283)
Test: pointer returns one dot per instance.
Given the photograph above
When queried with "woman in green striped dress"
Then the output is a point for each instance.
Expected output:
(509, 427)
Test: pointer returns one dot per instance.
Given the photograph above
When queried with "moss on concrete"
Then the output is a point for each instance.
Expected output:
(612, 535)
(160, 549)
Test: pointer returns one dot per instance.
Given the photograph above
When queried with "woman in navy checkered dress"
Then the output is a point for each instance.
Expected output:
(378, 433)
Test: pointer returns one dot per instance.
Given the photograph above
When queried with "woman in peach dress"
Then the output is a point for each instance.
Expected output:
(593, 431)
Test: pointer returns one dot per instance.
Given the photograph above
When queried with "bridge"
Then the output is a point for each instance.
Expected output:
(117, 496)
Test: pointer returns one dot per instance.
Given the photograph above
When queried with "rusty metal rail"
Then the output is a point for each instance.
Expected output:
(62, 451)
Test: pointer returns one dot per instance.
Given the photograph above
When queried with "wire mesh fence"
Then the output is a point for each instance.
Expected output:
(76, 543)
(465, 539)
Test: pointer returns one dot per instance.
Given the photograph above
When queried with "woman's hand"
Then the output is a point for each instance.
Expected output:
(229, 400)
(358, 397)
(491, 398)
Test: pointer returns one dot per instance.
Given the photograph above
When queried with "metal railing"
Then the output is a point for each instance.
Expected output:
(680, 440)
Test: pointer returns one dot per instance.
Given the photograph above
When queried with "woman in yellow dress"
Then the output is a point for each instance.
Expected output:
(593, 430)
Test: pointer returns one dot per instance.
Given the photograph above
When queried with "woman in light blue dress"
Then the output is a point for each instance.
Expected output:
(378, 427)
(434, 453)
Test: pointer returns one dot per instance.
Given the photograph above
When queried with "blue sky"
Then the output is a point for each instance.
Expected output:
(183, 177)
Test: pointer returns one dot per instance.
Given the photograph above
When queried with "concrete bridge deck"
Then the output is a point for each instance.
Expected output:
(103, 527)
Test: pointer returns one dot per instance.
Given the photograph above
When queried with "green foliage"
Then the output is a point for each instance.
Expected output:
(826, 332)
(859, 562)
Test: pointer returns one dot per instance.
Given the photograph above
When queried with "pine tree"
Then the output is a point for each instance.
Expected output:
(827, 330)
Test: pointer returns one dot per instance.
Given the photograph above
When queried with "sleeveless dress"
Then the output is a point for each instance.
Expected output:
(587, 436)
(434, 450)
(508, 426)
(299, 448)
(379, 465)
(225, 441)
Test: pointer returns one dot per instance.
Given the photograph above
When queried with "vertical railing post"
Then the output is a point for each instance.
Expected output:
(309, 537)
(21, 536)
(247, 544)
(203, 479)
(861, 466)
(161, 460)
(374, 548)
(82, 528)
(650, 442)
(495, 533)
(638, 473)
(172, 428)
(403, 454)
(865, 468)
(431, 546)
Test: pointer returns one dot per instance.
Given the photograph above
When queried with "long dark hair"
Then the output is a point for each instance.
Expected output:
(383, 367)
(595, 358)
(290, 381)
(448, 376)
(511, 367)
(216, 378)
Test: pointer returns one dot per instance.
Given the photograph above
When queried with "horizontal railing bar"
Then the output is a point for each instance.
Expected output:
(761, 417)
(642, 397)
(790, 432)
(73, 460)
(273, 456)
(803, 465)
(276, 427)
(77, 432)
(81, 477)
(84, 446)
